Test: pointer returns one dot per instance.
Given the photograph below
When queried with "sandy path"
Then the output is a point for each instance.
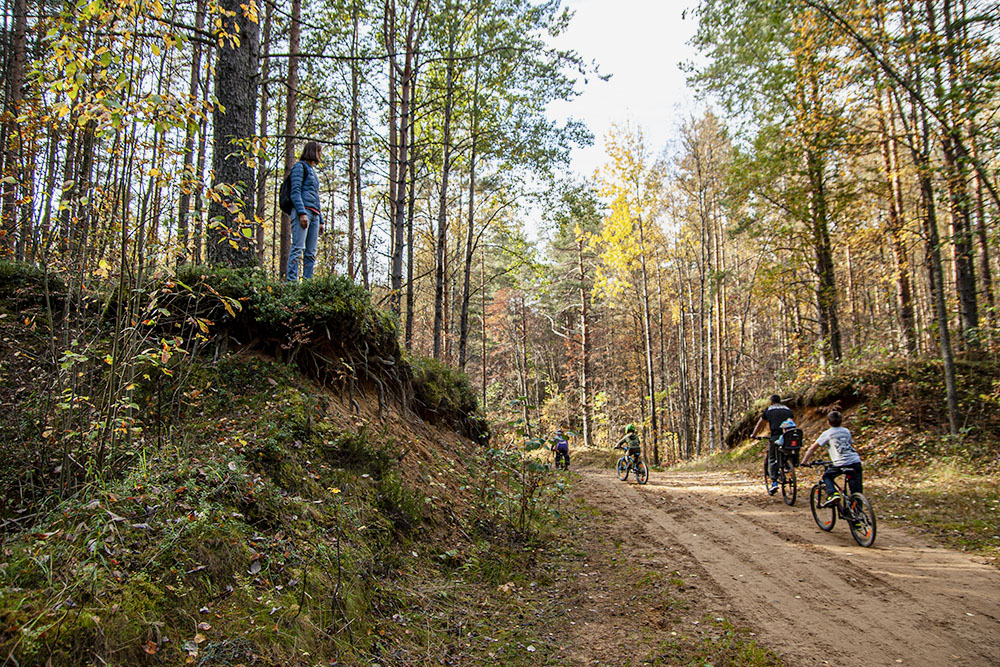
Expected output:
(816, 598)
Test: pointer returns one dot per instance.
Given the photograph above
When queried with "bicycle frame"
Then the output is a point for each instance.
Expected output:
(844, 489)
(854, 508)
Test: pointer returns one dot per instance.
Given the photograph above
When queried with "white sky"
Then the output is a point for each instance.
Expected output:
(641, 44)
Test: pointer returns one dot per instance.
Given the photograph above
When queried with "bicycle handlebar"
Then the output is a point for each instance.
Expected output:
(816, 464)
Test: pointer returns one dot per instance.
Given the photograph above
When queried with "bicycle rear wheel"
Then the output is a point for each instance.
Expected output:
(862, 521)
(788, 486)
(826, 517)
(641, 472)
(622, 469)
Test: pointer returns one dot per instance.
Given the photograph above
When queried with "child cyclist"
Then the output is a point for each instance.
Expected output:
(842, 454)
(630, 443)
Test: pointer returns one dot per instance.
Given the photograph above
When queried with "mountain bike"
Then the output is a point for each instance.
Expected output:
(627, 464)
(857, 510)
(562, 460)
(785, 461)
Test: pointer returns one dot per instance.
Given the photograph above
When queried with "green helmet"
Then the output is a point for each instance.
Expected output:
(630, 428)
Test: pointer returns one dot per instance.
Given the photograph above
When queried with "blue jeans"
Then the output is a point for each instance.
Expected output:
(303, 246)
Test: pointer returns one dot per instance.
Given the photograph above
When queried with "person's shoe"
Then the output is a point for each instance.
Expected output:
(774, 488)
(831, 501)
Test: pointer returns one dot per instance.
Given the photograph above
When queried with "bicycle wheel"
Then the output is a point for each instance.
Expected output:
(622, 469)
(641, 472)
(788, 486)
(862, 519)
(826, 517)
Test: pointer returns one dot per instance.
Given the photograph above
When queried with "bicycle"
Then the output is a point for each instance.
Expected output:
(785, 458)
(562, 460)
(857, 511)
(628, 463)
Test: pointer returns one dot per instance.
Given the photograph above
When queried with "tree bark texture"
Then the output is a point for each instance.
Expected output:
(291, 120)
(230, 241)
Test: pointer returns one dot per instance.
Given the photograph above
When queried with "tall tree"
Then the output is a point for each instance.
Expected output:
(232, 229)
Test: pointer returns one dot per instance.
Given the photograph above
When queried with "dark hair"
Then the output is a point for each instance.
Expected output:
(835, 418)
(775, 398)
(310, 152)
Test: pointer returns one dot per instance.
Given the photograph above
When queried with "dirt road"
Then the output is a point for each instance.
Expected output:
(814, 598)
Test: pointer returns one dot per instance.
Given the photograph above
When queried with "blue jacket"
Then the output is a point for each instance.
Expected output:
(305, 193)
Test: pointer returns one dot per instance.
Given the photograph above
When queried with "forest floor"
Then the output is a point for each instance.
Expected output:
(702, 567)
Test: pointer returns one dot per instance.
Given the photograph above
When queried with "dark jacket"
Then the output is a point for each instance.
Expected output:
(304, 192)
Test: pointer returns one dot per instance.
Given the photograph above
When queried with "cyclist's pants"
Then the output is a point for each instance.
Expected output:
(772, 458)
(853, 473)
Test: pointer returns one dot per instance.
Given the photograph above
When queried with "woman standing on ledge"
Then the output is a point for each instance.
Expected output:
(308, 223)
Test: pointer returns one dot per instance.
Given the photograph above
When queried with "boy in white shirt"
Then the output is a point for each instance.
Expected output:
(844, 457)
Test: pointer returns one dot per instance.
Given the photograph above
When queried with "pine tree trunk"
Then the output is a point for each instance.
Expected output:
(411, 209)
(463, 327)
(904, 291)
(956, 163)
(826, 291)
(291, 121)
(648, 343)
(396, 156)
(684, 373)
(920, 150)
(12, 148)
(231, 242)
(441, 242)
(584, 347)
(482, 322)
(261, 210)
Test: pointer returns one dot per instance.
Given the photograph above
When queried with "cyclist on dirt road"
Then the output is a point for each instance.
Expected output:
(561, 447)
(774, 417)
(843, 456)
(630, 442)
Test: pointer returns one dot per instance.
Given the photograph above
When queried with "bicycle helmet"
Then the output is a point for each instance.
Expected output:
(630, 428)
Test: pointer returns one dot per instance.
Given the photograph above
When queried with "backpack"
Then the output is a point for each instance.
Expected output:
(285, 192)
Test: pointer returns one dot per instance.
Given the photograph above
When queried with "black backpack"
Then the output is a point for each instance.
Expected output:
(285, 192)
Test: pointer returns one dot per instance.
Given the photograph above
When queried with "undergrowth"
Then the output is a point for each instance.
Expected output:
(255, 532)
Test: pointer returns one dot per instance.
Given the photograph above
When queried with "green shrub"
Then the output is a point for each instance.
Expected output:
(441, 389)
(444, 394)
(24, 284)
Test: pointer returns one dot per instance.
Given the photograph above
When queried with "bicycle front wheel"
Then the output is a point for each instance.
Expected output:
(788, 487)
(622, 469)
(641, 472)
(862, 520)
(826, 517)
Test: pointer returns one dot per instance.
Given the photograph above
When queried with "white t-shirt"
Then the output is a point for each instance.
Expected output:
(842, 452)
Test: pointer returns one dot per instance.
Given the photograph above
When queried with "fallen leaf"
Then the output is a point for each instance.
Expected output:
(200, 638)
(204, 627)
(150, 647)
